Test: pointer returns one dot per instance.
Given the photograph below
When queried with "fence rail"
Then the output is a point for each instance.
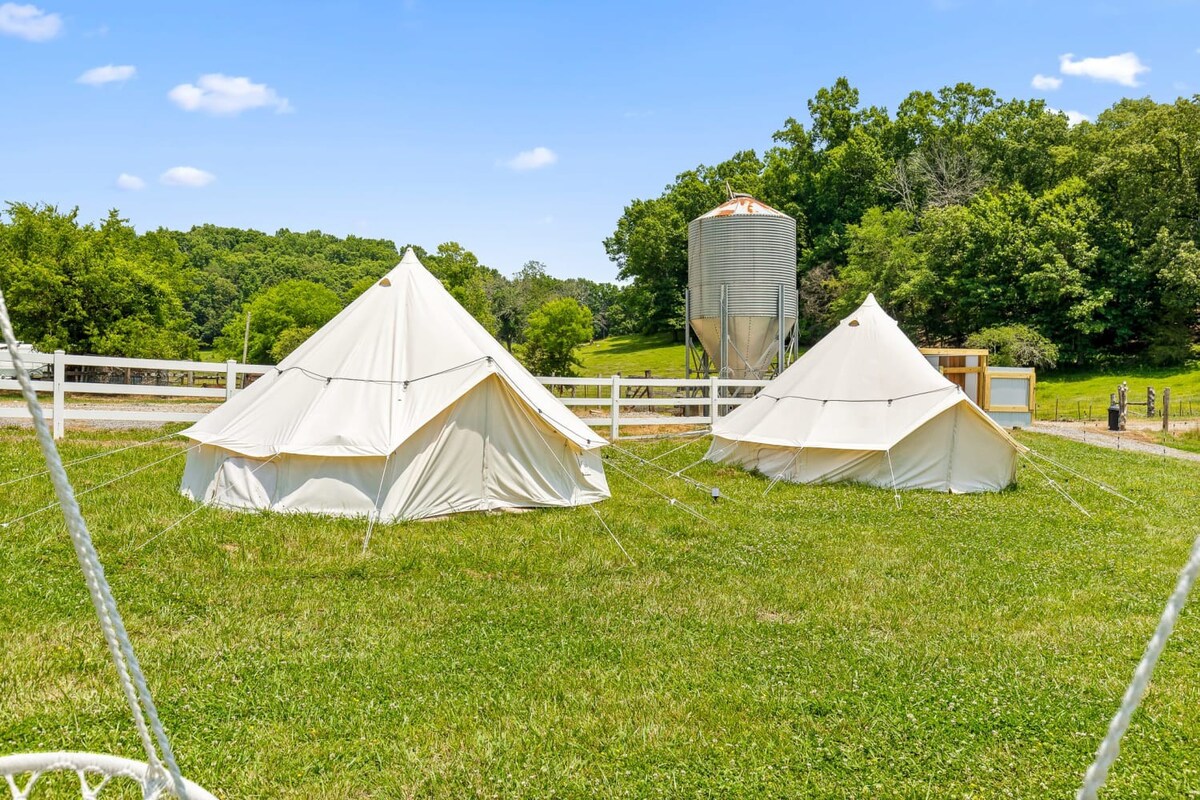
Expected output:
(618, 402)
(614, 402)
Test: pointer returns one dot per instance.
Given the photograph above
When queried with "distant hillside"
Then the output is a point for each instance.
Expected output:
(632, 355)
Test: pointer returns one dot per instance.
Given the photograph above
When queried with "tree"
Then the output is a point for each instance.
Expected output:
(87, 289)
(279, 315)
(1015, 346)
(554, 332)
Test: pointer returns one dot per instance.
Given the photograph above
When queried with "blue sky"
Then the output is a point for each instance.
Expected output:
(408, 120)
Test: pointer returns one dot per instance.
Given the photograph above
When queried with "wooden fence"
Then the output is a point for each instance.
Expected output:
(613, 403)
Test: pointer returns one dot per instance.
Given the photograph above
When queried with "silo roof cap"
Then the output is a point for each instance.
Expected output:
(743, 204)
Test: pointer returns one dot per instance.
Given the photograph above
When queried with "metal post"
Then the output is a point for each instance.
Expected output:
(796, 329)
(723, 368)
(60, 395)
(782, 338)
(615, 428)
(1122, 405)
(230, 378)
(246, 338)
(687, 332)
(714, 397)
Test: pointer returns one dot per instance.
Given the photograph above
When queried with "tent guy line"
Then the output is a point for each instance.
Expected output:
(100, 485)
(888, 400)
(92, 457)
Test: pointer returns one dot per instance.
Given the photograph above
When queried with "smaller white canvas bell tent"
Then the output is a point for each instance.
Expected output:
(401, 407)
(864, 405)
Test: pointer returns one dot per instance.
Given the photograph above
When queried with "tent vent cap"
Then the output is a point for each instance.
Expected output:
(853, 323)
(385, 282)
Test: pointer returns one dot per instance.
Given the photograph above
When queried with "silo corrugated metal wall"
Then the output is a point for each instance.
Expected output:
(749, 249)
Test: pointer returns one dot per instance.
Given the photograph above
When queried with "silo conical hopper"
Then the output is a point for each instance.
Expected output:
(742, 255)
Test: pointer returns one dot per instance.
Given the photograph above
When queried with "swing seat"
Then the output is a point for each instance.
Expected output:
(22, 771)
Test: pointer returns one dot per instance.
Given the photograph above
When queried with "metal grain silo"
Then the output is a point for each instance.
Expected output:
(741, 299)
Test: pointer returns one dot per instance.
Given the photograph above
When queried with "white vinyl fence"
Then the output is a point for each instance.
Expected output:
(613, 403)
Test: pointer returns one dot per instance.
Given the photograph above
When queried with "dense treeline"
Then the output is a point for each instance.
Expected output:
(108, 290)
(965, 212)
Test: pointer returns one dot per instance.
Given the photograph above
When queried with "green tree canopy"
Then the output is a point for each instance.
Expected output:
(281, 317)
(555, 331)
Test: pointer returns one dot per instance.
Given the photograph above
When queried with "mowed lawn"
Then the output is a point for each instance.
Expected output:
(1076, 392)
(812, 642)
(632, 355)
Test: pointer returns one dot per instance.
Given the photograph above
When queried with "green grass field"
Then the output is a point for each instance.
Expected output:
(815, 642)
(632, 356)
(1075, 392)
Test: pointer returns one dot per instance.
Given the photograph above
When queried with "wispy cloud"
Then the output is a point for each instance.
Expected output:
(1046, 83)
(1073, 117)
(1123, 68)
(186, 176)
(537, 158)
(225, 95)
(29, 22)
(130, 183)
(98, 76)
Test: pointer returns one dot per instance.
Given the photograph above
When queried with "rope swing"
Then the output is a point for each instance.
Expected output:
(162, 771)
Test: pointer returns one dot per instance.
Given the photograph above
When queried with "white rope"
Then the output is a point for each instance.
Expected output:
(199, 507)
(571, 479)
(689, 443)
(779, 477)
(895, 491)
(92, 457)
(1098, 484)
(1096, 774)
(375, 511)
(708, 490)
(702, 459)
(133, 682)
(49, 506)
(1054, 485)
(670, 500)
(610, 533)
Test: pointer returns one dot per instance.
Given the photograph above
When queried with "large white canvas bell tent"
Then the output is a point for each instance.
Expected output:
(401, 407)
(864, 405)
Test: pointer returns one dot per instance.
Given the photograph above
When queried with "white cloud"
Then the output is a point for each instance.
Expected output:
(221, 94)
(1046, 83)
(98, 76)
(1073, 117)
(29, 22)
(130, 183)
(1123, 69)
(187, 176)
(536, 158)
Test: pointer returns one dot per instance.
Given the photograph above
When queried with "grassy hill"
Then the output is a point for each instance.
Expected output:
(632, 356)
(817, 642)
(1076, 391)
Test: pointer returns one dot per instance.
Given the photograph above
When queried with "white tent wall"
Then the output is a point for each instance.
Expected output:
(487, 451)
(403, 406)
(865, 405)
(978, 458)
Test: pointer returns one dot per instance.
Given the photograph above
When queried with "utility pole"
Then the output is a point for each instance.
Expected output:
(245, 344)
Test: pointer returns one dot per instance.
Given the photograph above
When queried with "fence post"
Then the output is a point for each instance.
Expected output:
(1166, 408)
(615, 429)
(714, 397)
(60, 395)
(230, 378)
